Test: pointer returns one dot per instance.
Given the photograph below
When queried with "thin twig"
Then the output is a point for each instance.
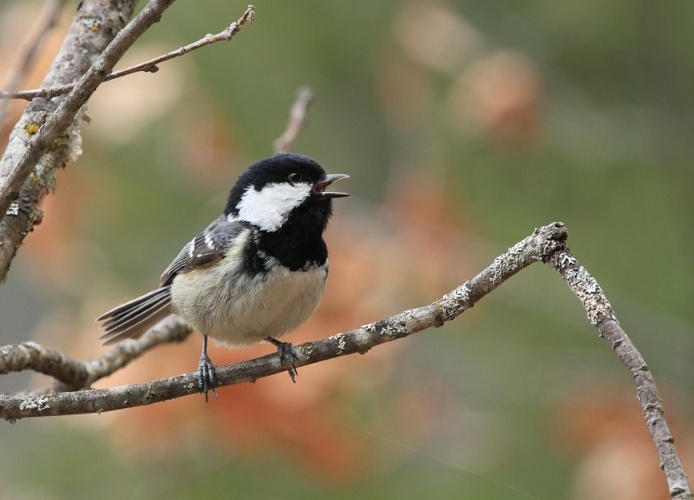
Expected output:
(602, 316)
(223, 36)
(297, 119)
(144, 67)
(119, 356)
(93, 27)
(72, 374)
(47, 21)
(49, 138)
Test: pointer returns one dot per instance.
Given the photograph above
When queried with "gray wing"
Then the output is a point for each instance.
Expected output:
(207, 247)
(134, 318)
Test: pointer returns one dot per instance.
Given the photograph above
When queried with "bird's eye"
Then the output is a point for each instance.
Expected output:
(295, 177)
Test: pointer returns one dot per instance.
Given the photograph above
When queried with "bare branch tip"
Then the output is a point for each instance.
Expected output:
(305, 94)
(248, 15)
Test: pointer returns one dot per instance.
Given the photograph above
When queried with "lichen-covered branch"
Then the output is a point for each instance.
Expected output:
(42, 359)
(601, 315)
(72, 374)
(536, 247)
(546, 244)
(47, 135)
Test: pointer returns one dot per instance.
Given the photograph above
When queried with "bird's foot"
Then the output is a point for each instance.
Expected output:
(288, 356)
(207, 376)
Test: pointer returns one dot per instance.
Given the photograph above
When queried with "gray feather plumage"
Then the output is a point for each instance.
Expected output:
(134, 318)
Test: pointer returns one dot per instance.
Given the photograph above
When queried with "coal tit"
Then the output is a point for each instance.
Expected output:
(255, 273)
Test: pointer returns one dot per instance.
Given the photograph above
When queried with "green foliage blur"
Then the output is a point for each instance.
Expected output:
(518, 114)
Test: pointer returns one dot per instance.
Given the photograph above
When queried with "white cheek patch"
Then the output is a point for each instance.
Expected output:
(270, 207)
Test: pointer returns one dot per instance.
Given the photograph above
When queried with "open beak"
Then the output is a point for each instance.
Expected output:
(319, 187)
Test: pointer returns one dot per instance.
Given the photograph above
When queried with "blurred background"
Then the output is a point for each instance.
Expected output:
(464, 125)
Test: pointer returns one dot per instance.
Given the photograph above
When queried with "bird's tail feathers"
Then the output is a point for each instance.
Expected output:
(136, 317)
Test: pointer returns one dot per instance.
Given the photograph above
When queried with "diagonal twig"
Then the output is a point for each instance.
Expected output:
(297, 119)
(602, 316)
(12, 176)
(149, 66)
(93, 27)
(46, 137)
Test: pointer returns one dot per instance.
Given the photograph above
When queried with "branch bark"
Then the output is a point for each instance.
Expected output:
(537, 247)
(144, 67)
(48, 136)
(546, 244)
(73, 374)
(602, 316)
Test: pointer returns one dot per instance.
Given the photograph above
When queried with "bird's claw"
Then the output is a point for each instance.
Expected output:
(288, 356)
(207, 376)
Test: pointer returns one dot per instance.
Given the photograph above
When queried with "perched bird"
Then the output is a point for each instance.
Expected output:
(255, 273)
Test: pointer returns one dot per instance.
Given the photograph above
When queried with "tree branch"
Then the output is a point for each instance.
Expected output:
(46, 138)
(546, 244)
(602, 316)
(34, 143)
(536, 247)
(73, 374)
(144, 67)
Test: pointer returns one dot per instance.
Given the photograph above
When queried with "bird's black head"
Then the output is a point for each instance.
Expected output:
(283, 188)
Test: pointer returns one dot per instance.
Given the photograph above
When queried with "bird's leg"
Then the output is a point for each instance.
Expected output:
(207, 377)
(288, 356)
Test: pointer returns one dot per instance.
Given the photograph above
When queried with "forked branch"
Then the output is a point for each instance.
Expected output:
(150, 66)
(539, 246)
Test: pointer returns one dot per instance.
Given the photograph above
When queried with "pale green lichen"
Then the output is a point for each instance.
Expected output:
(39, 404)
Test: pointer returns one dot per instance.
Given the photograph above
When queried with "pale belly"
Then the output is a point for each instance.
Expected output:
(282, 300)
